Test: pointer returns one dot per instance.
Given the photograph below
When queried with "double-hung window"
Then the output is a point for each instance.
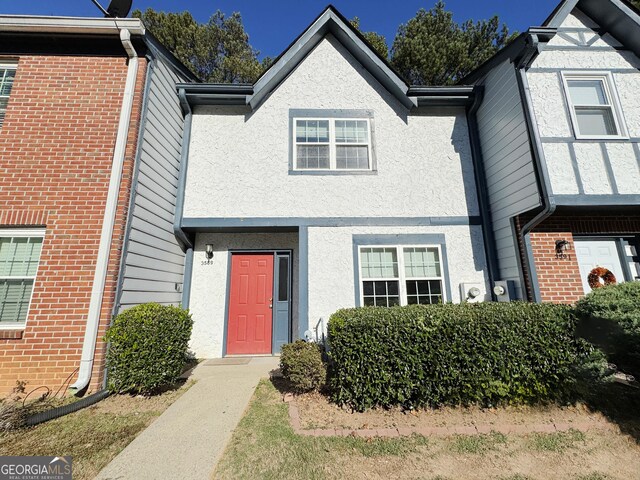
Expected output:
(7, 74)
(19, 259)
(339, 144)
(593, 105)
(401, 275)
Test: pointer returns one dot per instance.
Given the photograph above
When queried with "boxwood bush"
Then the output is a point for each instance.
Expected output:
(147, 348)
(302, 366)
(419, 356)
(610, 318)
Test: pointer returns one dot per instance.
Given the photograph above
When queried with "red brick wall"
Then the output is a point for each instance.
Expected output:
(559, 278)
(56, 150)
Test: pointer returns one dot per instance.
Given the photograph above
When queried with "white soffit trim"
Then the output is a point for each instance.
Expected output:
(89, 25)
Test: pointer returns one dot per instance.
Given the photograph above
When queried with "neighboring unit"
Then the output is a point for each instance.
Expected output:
(560, 134)
(329, 183)
(90, 135)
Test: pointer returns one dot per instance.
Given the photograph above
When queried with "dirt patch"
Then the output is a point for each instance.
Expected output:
(137, 404)
(93, 435)
(594, 457)
(265, 433)
(316, 411)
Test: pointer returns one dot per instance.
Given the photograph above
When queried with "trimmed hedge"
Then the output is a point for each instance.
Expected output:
(610, 318)
(420, 356)
(302, 366)
(148, 348)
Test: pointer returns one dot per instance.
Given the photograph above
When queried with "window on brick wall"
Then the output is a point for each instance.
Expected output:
(19, 260)
(7, 74)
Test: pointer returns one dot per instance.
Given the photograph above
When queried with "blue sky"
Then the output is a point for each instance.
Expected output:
(273, 24)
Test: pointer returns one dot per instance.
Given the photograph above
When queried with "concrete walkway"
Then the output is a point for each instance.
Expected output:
(188, 439)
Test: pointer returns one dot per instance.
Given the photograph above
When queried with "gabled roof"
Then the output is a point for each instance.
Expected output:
(330, 21)
(617, 17)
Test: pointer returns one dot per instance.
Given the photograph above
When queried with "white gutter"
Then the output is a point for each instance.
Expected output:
(75, 25)
(99, 279)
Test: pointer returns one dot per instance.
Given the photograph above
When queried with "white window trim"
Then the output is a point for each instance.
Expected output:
(610, 92)
(402, 278)
(332, 145)
(23, 232)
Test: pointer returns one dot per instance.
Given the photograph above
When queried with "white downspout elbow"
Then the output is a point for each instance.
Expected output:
(102, 261)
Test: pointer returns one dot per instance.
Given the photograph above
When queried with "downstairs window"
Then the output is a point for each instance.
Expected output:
(19, 259)
(401, 275)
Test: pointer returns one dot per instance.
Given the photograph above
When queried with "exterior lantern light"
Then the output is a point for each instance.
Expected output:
(209, 251)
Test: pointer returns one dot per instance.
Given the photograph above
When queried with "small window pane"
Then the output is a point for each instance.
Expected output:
(379, 262)
(7, 76)
(422, 262)
(352, 157)
(587, 92)
(312, 131)
(352, 131)
(19, 256)
(14, 300)
(382, 293)
(312, 157)
(424, 292)
(283, 279)
(595, 121)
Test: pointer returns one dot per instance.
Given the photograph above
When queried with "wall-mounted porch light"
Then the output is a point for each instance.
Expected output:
(209, 251)
(562, 246)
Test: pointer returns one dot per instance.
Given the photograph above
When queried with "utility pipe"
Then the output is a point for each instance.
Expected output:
(102, 262)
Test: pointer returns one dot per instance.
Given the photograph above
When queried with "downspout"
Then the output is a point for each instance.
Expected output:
(182, 176)
(481, 185)
(546, 197)
(102, 262)
(183, 238)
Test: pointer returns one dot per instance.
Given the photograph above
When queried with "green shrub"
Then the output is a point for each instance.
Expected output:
(147, 348)
(453, 354)
(302, 366)
(610, 318)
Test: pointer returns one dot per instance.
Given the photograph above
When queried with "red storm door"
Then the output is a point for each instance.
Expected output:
(250, 304)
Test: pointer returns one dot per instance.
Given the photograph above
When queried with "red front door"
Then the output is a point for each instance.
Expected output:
(250, 302)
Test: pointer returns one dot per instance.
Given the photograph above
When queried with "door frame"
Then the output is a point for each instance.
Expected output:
(619, 241)
(249, 251)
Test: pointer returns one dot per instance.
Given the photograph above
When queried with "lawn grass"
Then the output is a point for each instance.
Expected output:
(557, 442)
(264, 446)
(92, 436)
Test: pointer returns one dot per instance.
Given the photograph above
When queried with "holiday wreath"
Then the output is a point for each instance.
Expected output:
(607, 276)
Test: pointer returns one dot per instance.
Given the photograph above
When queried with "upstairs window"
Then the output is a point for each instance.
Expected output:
(19, 259)
(594, 107)
(401, 275)
(332, 144)
(7, 74)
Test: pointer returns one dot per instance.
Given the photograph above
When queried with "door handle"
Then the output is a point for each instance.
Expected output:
(271, 303)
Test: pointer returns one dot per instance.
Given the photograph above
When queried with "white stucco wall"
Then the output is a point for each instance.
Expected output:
(331, 276)
(554, 123)
(239, 160)
(209, 284)
(331, 263)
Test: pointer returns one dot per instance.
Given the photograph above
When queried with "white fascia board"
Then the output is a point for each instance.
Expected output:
(71, 25)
